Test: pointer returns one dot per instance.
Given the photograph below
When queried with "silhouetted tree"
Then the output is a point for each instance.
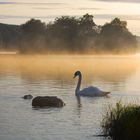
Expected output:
(69, 34)
(62, 33)
(9, 36)
(115, 37)
(33, 36)
(87, 32)
(86, 24)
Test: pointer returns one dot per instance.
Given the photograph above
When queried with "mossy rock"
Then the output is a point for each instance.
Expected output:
(47, 101)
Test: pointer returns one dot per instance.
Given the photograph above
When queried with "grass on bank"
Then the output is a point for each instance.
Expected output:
(122, 122)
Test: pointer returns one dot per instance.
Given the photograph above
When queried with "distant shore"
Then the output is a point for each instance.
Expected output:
(69, 35)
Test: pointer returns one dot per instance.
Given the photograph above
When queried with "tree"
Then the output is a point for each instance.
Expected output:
(115, 37)
(33, 36)
(72, 33)
(86, 24)
(69, 34)
(118, 22)
(33, 28)
(62, 32)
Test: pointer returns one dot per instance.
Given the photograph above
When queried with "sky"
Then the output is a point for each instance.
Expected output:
(19, 11)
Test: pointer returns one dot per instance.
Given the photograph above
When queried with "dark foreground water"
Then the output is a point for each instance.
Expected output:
(53, 75)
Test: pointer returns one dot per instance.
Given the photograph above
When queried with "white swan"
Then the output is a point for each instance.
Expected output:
(89, 91)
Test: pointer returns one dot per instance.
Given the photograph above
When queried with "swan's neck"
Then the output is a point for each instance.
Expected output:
(78, 84)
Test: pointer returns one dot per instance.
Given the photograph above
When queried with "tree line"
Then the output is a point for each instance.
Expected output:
(68, 34)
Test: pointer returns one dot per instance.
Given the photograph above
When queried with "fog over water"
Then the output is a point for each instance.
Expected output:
(53, 75)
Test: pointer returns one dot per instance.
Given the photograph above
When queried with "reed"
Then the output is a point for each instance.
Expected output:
(122, 122)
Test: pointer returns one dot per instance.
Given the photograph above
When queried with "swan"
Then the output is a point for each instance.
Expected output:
(89, 91)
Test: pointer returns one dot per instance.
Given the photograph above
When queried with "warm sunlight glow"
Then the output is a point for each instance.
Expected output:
(62, 62)
(38, 67)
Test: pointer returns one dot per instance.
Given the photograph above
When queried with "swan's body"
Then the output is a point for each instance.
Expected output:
(89, 91)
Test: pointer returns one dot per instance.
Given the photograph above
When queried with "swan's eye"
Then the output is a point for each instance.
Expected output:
(76, 73)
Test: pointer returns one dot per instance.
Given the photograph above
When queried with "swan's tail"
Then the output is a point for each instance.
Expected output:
(106, 93)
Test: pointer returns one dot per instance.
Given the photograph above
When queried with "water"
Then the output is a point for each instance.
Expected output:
(53, 75)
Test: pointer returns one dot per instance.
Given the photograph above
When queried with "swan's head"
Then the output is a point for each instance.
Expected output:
(77, 73)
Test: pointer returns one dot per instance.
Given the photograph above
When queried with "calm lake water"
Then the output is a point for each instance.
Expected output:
(53, 75)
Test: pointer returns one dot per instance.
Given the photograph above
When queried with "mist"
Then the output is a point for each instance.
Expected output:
(39, 67)
(68, 35)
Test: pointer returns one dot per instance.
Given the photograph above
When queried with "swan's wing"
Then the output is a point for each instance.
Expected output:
(91, 91)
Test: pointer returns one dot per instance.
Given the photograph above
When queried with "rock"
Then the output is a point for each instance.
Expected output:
(29, 96)
(47, 101)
